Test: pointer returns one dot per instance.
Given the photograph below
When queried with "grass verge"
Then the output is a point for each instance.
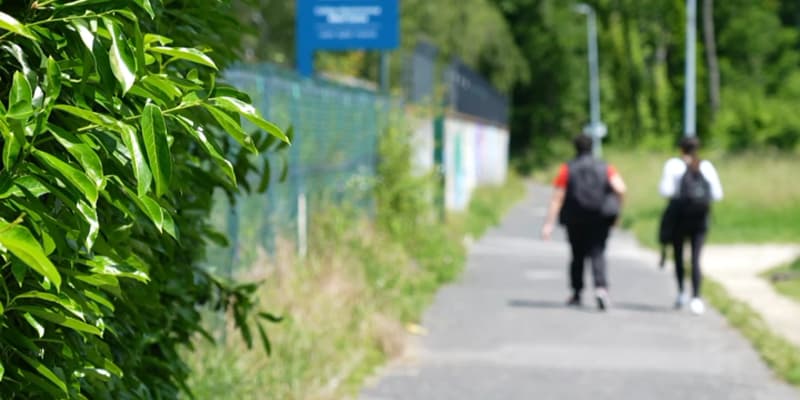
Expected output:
(786, 279)
(779, 354)
(347, 304)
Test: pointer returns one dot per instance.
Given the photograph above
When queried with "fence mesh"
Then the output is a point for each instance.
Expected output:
(333, 157)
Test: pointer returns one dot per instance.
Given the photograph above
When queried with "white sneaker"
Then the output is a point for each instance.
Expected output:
(681, 301)
(697, 306)
(601, 295)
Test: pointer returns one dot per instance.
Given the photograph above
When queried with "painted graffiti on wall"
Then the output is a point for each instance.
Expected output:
(475, 154)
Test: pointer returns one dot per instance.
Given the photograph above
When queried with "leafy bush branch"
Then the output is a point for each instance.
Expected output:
(115, 134)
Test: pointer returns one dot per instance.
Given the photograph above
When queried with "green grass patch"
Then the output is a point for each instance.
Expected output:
(786, 279)
(777, 352)
(347, 304)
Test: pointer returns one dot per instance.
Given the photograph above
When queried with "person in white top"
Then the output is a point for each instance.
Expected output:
(690, 184)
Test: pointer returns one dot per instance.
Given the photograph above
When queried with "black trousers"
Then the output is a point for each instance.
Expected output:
(697, 237)
(588, 240)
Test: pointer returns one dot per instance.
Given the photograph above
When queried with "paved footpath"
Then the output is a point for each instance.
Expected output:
(739, 267)
(502, 332)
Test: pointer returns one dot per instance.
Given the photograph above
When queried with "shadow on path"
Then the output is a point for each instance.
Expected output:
(546, 305)
(627, 306)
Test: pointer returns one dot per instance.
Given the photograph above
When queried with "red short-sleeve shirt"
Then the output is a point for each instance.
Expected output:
(562, 178)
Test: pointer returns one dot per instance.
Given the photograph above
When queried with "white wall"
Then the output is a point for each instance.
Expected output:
(474, 154)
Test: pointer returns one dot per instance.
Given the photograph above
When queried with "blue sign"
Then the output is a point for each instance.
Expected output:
(343, 25)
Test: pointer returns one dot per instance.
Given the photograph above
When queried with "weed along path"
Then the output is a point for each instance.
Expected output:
(502, 332)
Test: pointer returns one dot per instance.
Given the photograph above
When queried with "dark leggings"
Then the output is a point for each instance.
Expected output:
(588, 240)
(697, 239)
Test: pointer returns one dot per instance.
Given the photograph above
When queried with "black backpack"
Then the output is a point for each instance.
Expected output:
(589, 193)
(694, 193)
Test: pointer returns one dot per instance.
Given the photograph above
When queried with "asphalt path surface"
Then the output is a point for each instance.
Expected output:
(502, 331)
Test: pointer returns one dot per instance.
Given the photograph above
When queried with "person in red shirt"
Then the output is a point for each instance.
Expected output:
(587, 198)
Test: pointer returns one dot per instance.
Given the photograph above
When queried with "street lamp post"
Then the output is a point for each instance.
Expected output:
(689, 123)
(596, 129)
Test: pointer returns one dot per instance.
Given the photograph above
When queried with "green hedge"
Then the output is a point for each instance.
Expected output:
(115, 133)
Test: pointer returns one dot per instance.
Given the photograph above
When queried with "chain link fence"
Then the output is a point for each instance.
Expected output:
(333, 158)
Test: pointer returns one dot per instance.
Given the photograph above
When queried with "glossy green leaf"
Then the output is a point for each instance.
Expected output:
(185, 53)
(120, 56)
(11, 24)
(52, 83)
(98, 298)
(51, 298)
(19, 241)
(150, 38)
(19, 270)
(145, 4)
(232, 127)
(34, 323)
(91, 116)
(154, 134)
(290, 134)
(144, 177)
(211, 149)
(43, 385)
(107, 365)
(63, 320)
(249, 112)
(16, 51)
(150, 93)
(86, 156)
(27, 183)
(150, 207)
(138, 47)
(12, 146)
(164, 85)
(74, 176)
(169, 226)
(2, 370)
(89, 214)
(106, 266)
(44, 371)
(106, 282)
(20, 104)
(153, 211)
(85, 33)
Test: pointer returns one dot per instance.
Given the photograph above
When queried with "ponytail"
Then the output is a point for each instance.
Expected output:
(694, 162)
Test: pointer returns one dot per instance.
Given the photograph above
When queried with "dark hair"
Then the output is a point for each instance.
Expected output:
(689, 145)
(583, 144)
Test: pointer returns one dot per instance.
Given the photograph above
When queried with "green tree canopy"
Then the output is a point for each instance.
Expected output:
(642, 72)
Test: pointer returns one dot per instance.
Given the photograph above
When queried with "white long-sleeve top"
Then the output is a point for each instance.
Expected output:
(674, 170)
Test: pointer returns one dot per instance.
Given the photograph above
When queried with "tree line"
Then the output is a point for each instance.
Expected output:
(747, 81)
(535, 50)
